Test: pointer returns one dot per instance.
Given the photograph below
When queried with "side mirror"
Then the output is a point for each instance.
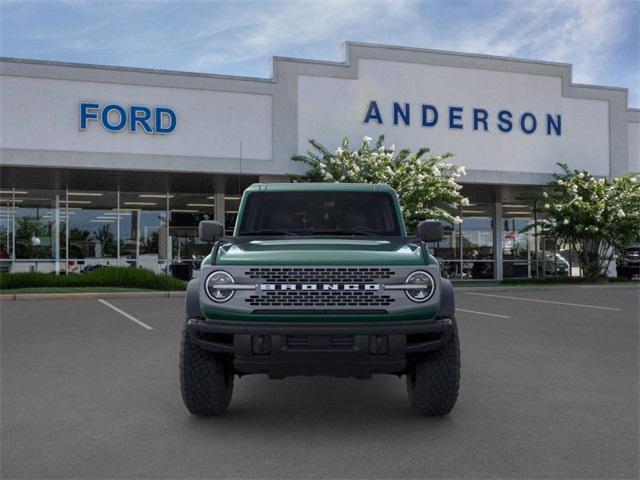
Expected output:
(210, 230)
(430, 231)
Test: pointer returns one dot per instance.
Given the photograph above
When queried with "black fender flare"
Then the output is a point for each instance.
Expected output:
(192, 299)
(447, 300)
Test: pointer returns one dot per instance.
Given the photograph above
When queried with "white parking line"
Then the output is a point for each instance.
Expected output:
(544, 301)
(482, 313)
(125, 314)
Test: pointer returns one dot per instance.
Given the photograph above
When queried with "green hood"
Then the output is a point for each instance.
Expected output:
(320, 251)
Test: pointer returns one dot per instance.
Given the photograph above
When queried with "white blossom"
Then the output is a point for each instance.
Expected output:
(339, 151)
(457, 220)
(464, 202)
(545, 195)
(565, 221)
(392, 148)
(621, 213)
(367, 139)
(460, 170)
(546, 205)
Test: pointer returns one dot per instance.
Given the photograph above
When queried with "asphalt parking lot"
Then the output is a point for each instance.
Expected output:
(549, 390)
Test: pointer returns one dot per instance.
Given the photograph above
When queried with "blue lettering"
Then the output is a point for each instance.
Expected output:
(86, 114)
(373, 112)
(139, 115)
(162, 112)
(505, 124)
(455, 113)
(399, 112)
(556, 125)
(523, 123)
(480, 116)
(425, 115)
(105, 118)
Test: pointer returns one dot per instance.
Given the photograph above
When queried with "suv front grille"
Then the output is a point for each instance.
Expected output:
(319, 274)
(320, 298)
(335, 298)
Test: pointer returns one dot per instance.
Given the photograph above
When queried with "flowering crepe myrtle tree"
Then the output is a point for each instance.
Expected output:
(424, 182)
(595, 216)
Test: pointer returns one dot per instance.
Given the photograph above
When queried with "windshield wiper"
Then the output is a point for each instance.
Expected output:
(266, 231)
(345, 231)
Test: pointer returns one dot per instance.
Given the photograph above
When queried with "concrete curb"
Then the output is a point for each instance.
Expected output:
(88, 295)
(512, 288)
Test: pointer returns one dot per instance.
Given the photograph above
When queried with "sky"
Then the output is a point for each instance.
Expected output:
(601, 38)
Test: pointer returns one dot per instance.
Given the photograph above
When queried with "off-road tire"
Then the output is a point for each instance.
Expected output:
(205, 383)
(434, 380)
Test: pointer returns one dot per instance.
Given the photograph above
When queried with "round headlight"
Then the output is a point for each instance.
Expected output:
(425, 286)
(215, 291)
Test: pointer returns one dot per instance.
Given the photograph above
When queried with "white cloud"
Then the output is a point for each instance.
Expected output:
(581, 32)
(277, 26)
(218, 37)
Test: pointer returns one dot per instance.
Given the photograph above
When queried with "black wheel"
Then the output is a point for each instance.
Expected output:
(434, 381)
(205, 383)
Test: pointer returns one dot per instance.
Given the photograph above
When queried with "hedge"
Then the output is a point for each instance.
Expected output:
(562, 281)
(102, 277)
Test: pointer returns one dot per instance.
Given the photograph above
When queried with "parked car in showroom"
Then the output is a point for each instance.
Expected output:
(628, 262)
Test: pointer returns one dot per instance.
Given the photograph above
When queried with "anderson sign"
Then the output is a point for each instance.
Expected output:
(461, 118)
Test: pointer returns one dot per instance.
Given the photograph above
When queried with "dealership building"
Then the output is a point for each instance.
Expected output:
(105, 165)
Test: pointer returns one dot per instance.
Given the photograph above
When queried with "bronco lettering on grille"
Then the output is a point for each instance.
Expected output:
(320, 286)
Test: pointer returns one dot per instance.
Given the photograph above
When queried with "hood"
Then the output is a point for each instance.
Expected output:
(320, 251)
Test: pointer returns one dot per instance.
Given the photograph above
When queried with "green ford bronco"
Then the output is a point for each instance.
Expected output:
(320, 279)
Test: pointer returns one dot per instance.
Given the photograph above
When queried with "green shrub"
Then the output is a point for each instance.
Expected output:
(102, 277)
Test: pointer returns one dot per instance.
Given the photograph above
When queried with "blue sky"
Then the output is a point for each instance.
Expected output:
(600, 38)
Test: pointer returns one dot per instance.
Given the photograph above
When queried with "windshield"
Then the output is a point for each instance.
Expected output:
(320, 213)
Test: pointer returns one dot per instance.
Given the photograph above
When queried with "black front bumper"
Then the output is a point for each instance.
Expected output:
(282, 349)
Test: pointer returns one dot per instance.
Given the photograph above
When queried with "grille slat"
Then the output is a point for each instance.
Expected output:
(317, 298)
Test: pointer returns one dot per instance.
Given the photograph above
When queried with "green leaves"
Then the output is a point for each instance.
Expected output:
(593, 214)
(424, 182)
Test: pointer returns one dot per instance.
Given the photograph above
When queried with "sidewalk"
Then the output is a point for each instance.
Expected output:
(88, 295)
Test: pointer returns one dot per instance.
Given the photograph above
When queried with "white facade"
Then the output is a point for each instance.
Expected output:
(82, 182)
(329, 107)
(220, 119)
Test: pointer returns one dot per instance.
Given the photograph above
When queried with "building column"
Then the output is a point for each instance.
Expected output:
(497, 239)
(55, 244)
(220, 208)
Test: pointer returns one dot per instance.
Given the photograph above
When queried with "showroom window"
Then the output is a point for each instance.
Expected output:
(187, 210)
(518, 240)
(78, 230)
(90, 237)
(231, 205)
(477, 242)
(466, 251)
